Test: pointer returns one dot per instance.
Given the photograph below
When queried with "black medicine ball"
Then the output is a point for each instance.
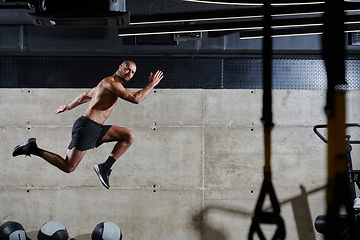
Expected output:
(12, 231)
(106, 231)
(53, 231)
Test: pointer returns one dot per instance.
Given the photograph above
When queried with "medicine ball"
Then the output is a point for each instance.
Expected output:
(106, 231)
(53, 231)
(12, 231)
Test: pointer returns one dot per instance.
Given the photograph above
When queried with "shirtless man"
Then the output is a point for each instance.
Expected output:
(88, 130)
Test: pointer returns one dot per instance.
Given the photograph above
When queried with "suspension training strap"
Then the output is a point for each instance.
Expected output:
(261, 217)
(338, 192)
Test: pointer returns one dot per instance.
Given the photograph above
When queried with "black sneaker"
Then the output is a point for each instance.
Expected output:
(26, 148)
(103, 174)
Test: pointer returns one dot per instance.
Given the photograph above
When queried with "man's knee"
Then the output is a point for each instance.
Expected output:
(131, 137)
(72, 160)
(69, 169)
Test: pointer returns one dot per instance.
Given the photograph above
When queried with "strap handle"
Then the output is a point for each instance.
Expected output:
(267, 217)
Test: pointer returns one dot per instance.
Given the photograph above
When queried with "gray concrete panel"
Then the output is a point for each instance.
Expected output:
(140, 213)
(230, 164)
(233, 107)
(299, 107)
(352, 107)
(37, 106)
(296, 153)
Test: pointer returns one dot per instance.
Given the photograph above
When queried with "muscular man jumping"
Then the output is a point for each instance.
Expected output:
(89, 130)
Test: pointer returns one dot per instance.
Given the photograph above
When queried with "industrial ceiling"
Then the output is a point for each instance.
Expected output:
(192, 35)
(13, 14)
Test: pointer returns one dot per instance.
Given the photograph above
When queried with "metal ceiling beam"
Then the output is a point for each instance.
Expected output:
(234, 14)
(19, 6)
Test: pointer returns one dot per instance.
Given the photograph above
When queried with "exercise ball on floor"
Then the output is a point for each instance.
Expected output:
(12, 231)
(106, 231)
(53, 231)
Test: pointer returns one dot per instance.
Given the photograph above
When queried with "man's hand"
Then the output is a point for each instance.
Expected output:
(61, 109)
(155, 79)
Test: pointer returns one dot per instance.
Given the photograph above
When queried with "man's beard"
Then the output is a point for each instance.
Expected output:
(123, 78)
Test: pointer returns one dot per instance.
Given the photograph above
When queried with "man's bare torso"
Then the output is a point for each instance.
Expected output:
(103, 100)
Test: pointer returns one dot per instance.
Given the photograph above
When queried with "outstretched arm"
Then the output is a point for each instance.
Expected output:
(139, 96)
(82, 98)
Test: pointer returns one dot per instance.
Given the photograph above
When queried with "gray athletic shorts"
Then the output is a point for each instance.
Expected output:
(86, 134)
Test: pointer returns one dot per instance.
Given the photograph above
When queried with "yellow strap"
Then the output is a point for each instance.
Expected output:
(267, 149)
(337, 161)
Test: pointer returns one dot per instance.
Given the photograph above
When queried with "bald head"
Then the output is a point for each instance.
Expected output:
(126, 62)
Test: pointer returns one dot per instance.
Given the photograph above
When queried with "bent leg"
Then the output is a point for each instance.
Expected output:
(124, 138)
(69, 164)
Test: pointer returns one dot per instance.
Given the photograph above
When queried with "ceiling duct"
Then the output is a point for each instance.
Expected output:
(354, 38)
(159, 39)
(192, 36)
(81, 13)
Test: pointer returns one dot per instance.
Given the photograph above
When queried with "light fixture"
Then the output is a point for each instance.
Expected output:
(147, 31)
(228, 26)
(296, 31)
(205, 27)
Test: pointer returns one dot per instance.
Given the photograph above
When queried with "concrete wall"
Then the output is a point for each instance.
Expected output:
(194, 171)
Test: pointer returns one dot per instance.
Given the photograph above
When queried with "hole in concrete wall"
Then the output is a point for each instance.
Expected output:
(154, 190)
(28, 128)
(251, 91)
(28, 91)
(252, 129)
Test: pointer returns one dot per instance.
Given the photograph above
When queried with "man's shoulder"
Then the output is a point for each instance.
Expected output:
(106, 81)
(111, 79)
(110, 83)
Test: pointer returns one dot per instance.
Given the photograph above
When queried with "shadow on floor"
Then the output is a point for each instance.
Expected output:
(300, 207)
